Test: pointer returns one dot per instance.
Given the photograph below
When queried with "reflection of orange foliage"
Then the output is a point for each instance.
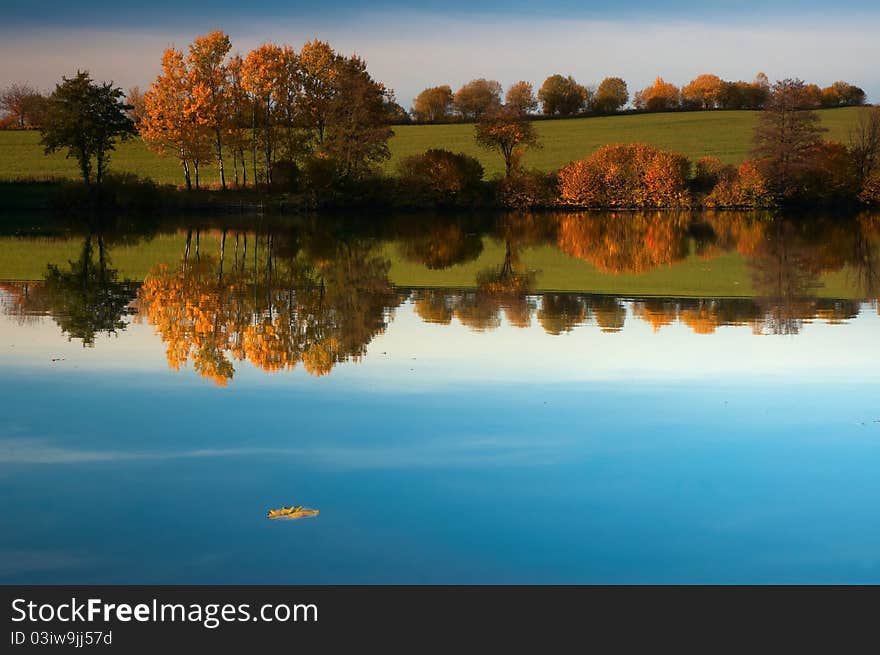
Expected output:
(213, 319)
(659, 315)
(632, 243)
(319, 358)
(702, 320)
(431, 306)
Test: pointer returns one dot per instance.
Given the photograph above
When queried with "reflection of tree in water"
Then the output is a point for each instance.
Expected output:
(275, 305)
(440, 244)
(785, 275)
(625, 243)
(866, 256)
(562, 312)
(508, 286)
(702, 315)
(85, 298)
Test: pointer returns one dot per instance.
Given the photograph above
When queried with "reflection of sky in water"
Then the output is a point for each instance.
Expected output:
(448, 455)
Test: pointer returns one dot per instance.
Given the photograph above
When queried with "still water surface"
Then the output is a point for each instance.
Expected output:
(518, 399)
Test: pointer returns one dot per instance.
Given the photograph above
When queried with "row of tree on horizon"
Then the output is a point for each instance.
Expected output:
(23, 106)
(563, 96)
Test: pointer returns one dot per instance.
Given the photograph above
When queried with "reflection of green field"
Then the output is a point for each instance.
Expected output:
(727, 275)
(724, 134)
(27, 258)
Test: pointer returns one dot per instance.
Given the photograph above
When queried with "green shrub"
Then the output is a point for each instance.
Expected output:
(440, 177)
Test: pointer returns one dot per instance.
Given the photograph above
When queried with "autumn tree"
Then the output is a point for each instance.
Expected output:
(357, 121)
(240, 117)
(262, 76)
(476, 98)
(433, 104)
(135, 99)
(507, 131)
(785, 135)
(440, 175)
(23, 104)
(208, 81)
(521, 97)
(842, 94)
(170, 124)
(86, 119)
(562, 96)
(611, 95)
(811, 96)
(703, 92)
(292, 139)
(660, 96)
(864, 144)
(319, 66)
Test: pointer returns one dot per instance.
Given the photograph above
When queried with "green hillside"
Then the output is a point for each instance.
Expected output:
(724, 134)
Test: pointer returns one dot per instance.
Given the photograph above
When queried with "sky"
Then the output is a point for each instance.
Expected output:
(413, 45)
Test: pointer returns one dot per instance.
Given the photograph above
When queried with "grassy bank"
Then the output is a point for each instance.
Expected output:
(724, 134)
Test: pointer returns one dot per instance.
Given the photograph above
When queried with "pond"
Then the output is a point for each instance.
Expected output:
(522, 398)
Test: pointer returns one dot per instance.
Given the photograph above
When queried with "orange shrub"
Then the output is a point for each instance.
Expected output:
(828, 174)
(632, 175)
(746, 188)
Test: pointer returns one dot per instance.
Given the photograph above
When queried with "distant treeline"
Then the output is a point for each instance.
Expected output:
(561, 96)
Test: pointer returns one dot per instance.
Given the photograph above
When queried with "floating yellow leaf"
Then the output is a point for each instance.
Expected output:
(292, 512)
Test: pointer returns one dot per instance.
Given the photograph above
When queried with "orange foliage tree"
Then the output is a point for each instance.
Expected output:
(171, 123)
(704, 91)
(660, 96)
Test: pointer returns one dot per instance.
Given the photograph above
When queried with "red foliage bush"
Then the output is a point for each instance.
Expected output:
(632, 175)
(745, 187)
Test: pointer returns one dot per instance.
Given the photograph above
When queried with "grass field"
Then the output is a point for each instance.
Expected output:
(724, 134)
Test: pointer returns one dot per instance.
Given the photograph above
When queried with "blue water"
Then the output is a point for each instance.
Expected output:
(431, 469)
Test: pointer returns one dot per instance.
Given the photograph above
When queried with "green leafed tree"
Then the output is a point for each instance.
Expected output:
(562, 96)
(611, 95)
(86, 119)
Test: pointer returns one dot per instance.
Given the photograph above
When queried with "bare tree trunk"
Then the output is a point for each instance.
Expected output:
(222, 254)
(254, 141)
(186, 175)
(189, 234)
(220, 161)
(268, 142)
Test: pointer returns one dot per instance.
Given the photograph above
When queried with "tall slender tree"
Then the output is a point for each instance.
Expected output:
(208, 80)
(785, 135)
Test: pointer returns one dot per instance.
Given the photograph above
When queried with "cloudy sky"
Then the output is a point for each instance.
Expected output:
(412, 45)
